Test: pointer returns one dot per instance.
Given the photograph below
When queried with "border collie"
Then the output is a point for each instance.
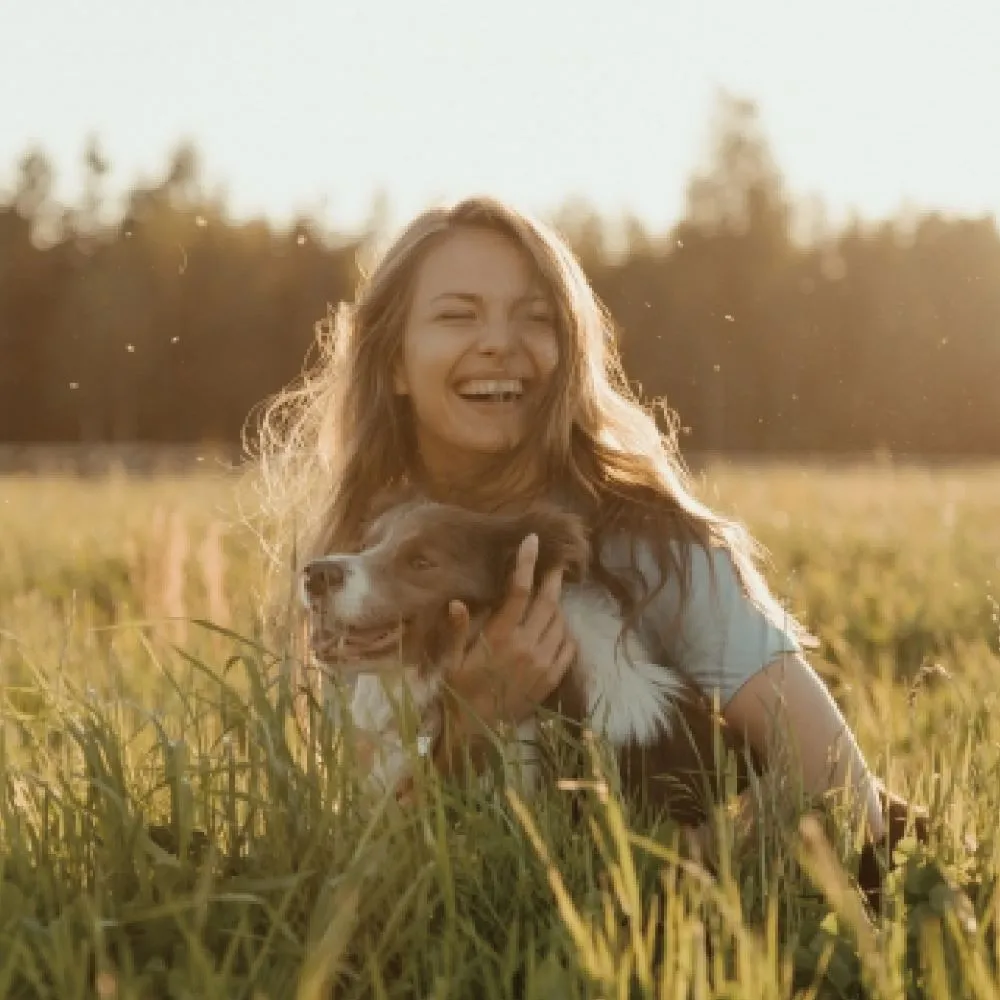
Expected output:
(379, 616)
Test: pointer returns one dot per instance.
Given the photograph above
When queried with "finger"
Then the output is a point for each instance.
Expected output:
(551, 639)
(545, 609)
(458, 615)
(561, 662)
(566, 656)
(555, 670)
(512, 612)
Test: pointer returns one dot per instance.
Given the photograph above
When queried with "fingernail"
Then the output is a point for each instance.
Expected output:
(531, 542)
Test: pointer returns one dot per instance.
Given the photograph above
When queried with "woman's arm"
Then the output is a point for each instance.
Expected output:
(788, 701)
(752, 659)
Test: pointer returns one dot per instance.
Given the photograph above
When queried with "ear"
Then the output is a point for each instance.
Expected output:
(562, 540)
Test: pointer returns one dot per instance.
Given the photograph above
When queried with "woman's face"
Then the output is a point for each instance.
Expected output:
(479, 348)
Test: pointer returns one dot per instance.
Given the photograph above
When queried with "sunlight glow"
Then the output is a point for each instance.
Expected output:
(315, 106)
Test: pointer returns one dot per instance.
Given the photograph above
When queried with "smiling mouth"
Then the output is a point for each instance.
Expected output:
(491, 390)
(352, 643)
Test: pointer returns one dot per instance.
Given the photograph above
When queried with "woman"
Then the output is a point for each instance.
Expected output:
(477, 364)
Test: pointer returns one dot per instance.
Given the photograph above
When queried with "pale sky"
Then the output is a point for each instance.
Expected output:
(306, 104)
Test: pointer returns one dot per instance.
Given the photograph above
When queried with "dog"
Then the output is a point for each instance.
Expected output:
(379, 616)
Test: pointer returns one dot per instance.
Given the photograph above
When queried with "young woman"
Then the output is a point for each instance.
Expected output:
(477, 364)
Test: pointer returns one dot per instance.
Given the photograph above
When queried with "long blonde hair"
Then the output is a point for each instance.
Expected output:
(331, 444)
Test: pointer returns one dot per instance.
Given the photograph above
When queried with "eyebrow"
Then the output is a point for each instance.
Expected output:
(472, 297)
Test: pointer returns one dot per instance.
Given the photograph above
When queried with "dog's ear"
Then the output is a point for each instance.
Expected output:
(562, 541)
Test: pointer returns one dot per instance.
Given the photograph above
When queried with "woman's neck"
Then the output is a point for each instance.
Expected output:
(502, 490)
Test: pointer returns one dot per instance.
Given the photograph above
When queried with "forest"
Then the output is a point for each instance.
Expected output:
(766, 329)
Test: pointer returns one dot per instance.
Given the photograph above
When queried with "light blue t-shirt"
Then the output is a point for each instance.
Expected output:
(722, 639)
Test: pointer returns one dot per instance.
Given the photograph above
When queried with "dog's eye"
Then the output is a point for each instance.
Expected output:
(420, 562)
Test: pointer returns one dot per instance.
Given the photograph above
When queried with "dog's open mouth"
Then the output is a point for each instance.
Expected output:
(355, 643)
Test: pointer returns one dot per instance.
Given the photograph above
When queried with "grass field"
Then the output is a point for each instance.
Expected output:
(167, 830)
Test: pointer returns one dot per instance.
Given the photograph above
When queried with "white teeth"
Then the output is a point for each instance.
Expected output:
(491, 387)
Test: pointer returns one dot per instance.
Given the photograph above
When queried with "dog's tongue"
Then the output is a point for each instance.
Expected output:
(364, 642)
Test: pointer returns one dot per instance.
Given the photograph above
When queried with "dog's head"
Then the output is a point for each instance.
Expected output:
(389, 601)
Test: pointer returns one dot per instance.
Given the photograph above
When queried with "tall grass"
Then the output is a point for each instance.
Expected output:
(168, 827)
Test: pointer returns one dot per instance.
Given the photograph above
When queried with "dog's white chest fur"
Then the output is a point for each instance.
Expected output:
(376, 707)
(630, 697)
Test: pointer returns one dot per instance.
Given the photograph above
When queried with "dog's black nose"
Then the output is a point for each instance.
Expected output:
(322, 577)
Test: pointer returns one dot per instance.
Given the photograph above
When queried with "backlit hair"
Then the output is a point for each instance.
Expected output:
(332, 443)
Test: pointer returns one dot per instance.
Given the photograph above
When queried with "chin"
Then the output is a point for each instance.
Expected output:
(494, 444)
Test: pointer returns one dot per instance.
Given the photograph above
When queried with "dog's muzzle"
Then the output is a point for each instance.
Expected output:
(323, 576)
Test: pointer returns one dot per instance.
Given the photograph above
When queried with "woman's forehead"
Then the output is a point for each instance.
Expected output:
(480, 264)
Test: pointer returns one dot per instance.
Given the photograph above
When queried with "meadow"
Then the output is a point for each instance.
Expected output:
(170, 828)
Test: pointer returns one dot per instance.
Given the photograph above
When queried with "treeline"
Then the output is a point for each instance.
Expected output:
(767, 330)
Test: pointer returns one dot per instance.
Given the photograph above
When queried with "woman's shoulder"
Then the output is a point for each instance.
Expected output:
(718, 625)
(707, 577)
(621, 550)
(700, 581)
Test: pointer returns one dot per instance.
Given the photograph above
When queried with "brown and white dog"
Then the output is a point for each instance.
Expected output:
(379, 616)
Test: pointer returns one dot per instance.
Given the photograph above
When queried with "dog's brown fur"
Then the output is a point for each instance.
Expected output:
(679, 772)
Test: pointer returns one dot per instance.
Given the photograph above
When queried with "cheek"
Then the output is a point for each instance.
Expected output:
(544, 350)
(426, 358)
(429, 351)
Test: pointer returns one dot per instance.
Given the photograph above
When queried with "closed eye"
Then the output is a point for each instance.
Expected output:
(457, 315)
(537, 312)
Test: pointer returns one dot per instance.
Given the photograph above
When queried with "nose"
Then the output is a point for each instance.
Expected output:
(498, 335)
(322, 576)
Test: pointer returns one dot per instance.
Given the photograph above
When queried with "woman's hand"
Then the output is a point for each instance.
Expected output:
(520, 656)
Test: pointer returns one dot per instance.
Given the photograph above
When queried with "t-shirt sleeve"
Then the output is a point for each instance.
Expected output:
(723, 638)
